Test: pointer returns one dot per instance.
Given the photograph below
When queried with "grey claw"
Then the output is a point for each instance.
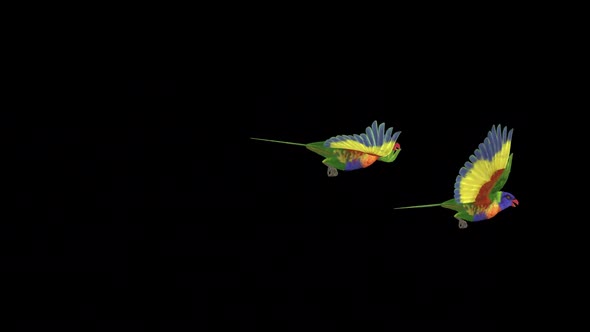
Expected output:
(462, 224)
(332, 171)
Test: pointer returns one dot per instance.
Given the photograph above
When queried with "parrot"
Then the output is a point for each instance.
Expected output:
(478, 191)
(352, 152)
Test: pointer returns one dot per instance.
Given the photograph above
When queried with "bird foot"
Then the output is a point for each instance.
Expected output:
(462, 223)
(332, 171)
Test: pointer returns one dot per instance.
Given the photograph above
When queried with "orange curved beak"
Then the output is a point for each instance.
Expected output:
(514, 202)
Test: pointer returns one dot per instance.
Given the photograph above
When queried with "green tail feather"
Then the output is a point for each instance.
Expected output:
(418, 206)
(274, 141)
(448, 204)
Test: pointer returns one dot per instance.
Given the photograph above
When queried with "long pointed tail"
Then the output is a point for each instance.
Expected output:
(417, 206)
(274, 141)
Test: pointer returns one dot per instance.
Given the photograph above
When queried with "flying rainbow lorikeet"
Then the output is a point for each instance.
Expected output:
(351, 152)
(478, 187)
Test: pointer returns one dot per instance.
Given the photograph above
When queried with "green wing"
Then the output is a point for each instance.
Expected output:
(481, 174)
(375, 141)
(504, 177)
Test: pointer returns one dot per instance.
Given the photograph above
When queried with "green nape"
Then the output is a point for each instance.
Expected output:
(391, 156)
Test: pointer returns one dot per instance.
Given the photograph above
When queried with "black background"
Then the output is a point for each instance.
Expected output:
(149, 206)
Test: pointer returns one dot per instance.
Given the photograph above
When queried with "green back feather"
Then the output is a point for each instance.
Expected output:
(319, 148)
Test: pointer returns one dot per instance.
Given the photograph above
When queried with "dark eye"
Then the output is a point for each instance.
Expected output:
(508, 197)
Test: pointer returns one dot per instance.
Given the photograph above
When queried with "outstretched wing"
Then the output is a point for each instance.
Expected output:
(487, 169)
(374, 141)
